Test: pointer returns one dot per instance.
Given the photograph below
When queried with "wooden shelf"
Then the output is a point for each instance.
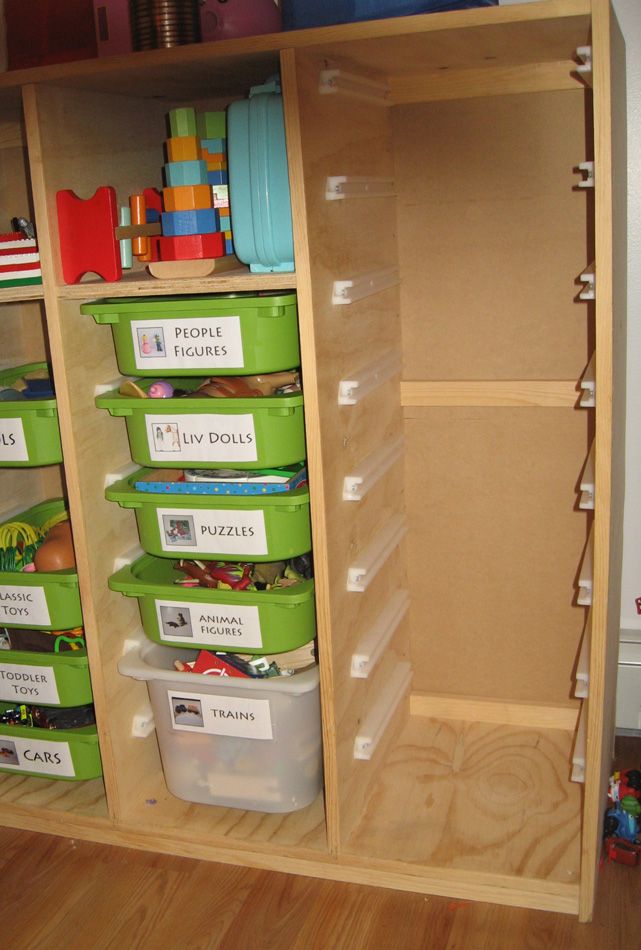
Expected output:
(224, 827)
(139, 283)
(18, 294)
(478, 797)
(542, 32)
(496, 392)
(27, 796)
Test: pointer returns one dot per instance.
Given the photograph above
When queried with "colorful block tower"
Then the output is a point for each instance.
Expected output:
(212, 130)
(195, 218)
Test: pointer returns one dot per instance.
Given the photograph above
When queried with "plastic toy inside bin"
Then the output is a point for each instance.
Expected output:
(29, 429)
(219, 334)
(201, 432)
(48, 600)
(241, 743)
(250, 527)
(269, 621)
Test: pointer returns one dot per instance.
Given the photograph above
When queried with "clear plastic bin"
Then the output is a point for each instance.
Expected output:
(242, 743)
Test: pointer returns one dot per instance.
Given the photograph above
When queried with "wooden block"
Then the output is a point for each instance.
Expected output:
(187, 197)
(219, 158)
(217, 177)
(183, 148)
(189, 247)
(185, 173)
(182, 122)
(211, 125)
(214, 145)
(202, 221)
(87, 235)
(153, 202)
(178, 269)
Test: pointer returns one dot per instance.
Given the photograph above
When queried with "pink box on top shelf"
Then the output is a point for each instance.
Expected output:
(113, 27)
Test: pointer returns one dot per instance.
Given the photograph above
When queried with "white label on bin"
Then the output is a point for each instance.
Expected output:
(13, 447)
(215, 624)
(205, 342)
(213, 438)
(24, 605)
(220, 715)
(219, 530)
(36, 755)
(22, 682)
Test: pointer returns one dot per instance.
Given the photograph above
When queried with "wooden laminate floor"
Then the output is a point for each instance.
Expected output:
(61, 894)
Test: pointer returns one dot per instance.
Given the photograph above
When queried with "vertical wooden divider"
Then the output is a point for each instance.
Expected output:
(338, 135)
(93, 443)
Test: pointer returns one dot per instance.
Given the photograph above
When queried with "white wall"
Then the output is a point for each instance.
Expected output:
(629, 15)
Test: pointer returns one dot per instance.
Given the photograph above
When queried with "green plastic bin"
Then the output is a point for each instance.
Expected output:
(222, 527)
(245, 621)
(218, 334)
(69, 754)
(203, 432)
(48, 600)
(29, 430)
(45, 679)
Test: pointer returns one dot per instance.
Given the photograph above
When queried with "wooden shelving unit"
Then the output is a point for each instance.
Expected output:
(473, 530)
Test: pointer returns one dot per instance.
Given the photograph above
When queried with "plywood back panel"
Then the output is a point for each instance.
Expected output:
(494, 551)
(492, 236)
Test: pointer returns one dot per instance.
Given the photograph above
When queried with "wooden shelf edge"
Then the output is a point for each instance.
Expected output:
(135, 284)
(534, 893)
(487, 81)
(444, 882)
(475, 709)
(21, 294)
(419, 394)
(222, 51)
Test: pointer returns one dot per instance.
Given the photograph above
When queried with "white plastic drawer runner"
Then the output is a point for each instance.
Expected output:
(378, 718)
(372, 644)
(369, 562)
(371, 470)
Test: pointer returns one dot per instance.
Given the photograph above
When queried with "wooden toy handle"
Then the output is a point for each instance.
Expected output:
(140, 245)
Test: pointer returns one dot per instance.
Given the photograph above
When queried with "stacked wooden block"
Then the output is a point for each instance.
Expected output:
(195, 220)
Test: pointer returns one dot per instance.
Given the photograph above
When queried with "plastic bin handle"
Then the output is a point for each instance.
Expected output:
(131, 663)
(281, 411)
(105, 317)
(118, 410)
